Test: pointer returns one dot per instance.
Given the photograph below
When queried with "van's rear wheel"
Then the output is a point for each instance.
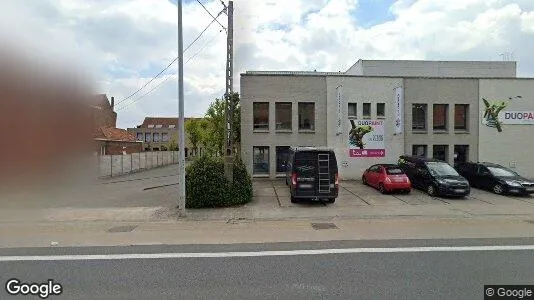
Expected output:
(364, 180)
(330, 200)
(381, 188)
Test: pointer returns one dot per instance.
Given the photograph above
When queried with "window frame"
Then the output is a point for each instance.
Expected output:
(425, 150)
(288, 150)
(276, 116)
(424, 108)
(260, 126)
(445, 126)
(355, 105)
(312, 123)
(383, 115)
(368, 105)
(254, 170)
(465, 117)
(446, 147)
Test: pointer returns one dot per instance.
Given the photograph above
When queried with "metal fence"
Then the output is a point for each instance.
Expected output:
(115, 165)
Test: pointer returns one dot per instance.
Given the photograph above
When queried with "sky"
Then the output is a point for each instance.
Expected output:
(120, 45)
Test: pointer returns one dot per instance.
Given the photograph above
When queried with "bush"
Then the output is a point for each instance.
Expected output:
(206, 185)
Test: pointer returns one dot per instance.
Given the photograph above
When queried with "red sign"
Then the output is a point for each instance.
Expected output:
(367, 152)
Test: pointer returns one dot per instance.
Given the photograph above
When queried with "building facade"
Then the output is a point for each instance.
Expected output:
(160, 133)
(375, 118)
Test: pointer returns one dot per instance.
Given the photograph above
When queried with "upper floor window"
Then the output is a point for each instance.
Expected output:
(419, 112)
(148, 137)
(156, 136)
(306, 116)
(172, 126)
(283, 115)
(164, 137)
(461, 112)
(352, 110)
(367, 110)
(260, 115)
(140, 136)
(151, 126)
(440, 113)
(381, 110)
(159, 126)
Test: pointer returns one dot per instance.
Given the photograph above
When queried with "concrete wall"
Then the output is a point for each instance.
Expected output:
(360, 90)
(356, 69)
(442, 91)
(274, 89)
(515, 144)
(471, 69)
(115, 165)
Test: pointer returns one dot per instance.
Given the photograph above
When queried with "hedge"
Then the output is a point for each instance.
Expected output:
(206, 185)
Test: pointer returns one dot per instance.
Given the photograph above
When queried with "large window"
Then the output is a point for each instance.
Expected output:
(419, 116)
(367, 110)
(283, 115)
(260, 115)
(282, 155)
(440, 116)
(306, 116)
(260, 160)
(148, 137)
(352, 109)
(156, 136)
(461, 112)
(461, 154)
(419, 150)
(140, 136)
(164, 137)
(381, 110)
(440, 152)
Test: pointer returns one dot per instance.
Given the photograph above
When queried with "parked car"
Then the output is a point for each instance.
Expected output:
(312, 173)
(435, 177)
(387, 178)
(496, 178)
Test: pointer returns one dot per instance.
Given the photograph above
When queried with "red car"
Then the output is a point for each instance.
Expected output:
(387, 178)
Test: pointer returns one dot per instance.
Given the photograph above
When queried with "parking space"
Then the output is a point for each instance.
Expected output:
(355, 194)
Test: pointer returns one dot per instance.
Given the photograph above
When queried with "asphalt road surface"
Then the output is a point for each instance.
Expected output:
(370, 270)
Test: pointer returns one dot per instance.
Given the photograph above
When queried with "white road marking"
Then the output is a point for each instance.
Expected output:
(263, 253)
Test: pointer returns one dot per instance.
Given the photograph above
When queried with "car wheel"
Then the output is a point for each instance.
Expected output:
(431, 190)
(330, 200)
(498, 189)
(364, 180)
(381, 188)
(407, 191)
(293, 199)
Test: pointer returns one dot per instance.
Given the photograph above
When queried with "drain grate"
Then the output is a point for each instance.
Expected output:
(321, 226)
(127, 228)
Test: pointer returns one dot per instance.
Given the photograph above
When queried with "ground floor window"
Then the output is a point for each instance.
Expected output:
(260, 160)
(440, 152)
(419, 150)
(282, 155)
(461, 154)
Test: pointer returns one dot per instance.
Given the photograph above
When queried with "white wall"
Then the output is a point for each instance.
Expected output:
(360, 90)
(115, 165)
(516, 142)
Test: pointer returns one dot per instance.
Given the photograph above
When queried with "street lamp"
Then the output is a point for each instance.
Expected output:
(181, 131)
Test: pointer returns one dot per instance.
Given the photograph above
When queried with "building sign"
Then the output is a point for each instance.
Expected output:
(366, 138)
(399, 101)
(339, 129)
(516, 117)
(491, 114)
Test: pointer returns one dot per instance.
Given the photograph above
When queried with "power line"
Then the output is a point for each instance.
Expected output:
(167, 78)
(172, 62)
(211, 14)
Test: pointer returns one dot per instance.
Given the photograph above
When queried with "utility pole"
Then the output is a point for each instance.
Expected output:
(229, 161)
(181, 131)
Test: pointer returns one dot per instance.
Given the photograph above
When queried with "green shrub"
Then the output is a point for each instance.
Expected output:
(206, 185)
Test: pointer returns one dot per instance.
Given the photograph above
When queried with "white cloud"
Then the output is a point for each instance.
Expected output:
(123, 43)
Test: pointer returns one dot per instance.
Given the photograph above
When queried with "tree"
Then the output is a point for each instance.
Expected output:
(193, 131)
(172, 145)
(213, 137)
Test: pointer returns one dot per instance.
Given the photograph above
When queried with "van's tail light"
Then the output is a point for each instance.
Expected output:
(337, 178)
(294, 178)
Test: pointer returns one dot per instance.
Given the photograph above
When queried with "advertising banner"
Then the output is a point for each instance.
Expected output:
(339, 129)
(366, 138)
(516, 117)
(398, 101)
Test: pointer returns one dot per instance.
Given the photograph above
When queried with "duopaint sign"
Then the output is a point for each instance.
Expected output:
(366, 138)
(516, 117)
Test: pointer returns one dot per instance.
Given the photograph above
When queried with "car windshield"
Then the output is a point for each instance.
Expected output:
(501, 172)
(441, 169)
(394, 171)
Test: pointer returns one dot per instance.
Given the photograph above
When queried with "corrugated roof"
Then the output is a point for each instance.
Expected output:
(114, 134)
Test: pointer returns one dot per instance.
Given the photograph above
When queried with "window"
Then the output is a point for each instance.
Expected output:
(156, 136)
(381, 110)
(282, 156)
(460, 116)
(260, 160)
(159, 126)
(419, 150)
(352, 110)
(306, 116)
(440, 116)
(151, 126)
(148, 137)
(283, 115)
(172, 126)
(164, 137)
(140, 136)
(260, 115)
(367, 110)
(440, 152)
(419, 117)
(461, 154)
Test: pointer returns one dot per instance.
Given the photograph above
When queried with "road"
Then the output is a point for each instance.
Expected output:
(391, 269)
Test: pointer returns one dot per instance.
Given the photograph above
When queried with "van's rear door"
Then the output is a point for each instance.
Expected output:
(305, 167)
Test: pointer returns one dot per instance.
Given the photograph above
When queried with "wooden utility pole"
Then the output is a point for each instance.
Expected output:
(229, 160)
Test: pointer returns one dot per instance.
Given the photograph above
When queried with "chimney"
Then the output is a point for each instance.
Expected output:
(112, 102)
